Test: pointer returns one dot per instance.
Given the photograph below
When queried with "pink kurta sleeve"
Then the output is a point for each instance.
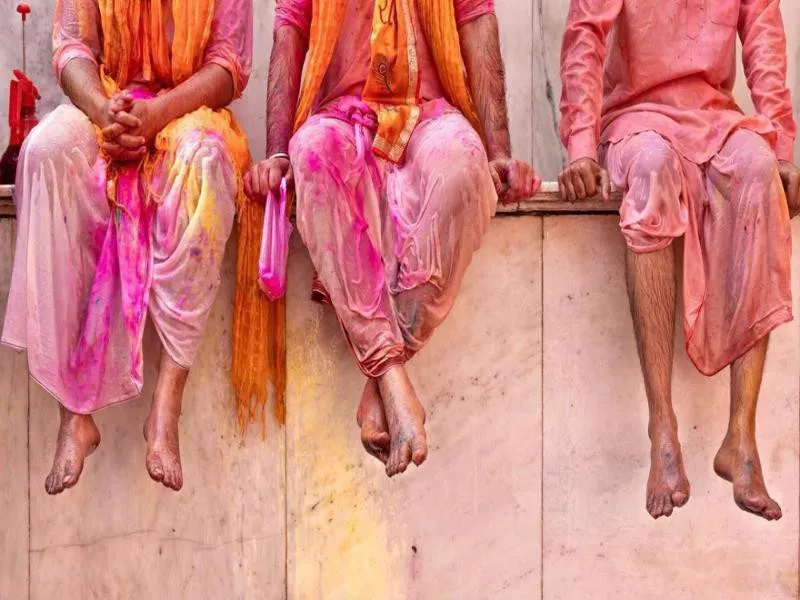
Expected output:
(583, 53)
(231, 43)
(764, 55)
(76, 32)
(295, 13)
(469, 10)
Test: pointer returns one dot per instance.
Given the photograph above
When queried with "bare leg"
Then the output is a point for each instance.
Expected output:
(406, 419)
(161, 428)
(371, 418)
(737, 460)
(78, 437)
(651, 290)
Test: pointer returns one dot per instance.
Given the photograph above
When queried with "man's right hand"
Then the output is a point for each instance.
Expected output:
(121, 144)
(584, 179)
(265, 177)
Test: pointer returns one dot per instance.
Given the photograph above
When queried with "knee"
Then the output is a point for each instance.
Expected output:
(465, 187)
(313, 146)
(757, 166)
(654, 160)
(57, 137)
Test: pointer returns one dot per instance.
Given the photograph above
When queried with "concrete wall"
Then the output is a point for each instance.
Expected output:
(535, 481)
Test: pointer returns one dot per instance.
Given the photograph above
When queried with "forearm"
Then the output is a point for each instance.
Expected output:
(480, 47)
(211, 86)
(81, 83)
(765, 64)
(283, 88)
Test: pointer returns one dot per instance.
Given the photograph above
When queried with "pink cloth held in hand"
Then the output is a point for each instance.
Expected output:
(274, 246)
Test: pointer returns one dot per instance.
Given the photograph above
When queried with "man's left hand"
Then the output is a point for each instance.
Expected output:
(790, 177)
(513, 179)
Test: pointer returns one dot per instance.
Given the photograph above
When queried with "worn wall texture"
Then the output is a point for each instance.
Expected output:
(537, 422)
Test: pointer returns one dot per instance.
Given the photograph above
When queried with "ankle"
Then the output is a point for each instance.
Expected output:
(663, 430)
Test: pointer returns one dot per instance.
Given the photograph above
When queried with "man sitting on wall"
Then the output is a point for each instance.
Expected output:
(126, 199)
(398, 146)
(691, 164)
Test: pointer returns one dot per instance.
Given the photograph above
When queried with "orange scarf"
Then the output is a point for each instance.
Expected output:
(134, 40)
(392, 86)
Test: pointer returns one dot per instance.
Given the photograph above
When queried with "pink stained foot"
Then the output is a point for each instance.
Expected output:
(78, 437)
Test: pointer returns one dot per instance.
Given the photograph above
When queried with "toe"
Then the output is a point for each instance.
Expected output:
(667, 508)
(419, 450)
(658, 504)
(773, 512)
(155, 468)
(679, 498)
(405, 457)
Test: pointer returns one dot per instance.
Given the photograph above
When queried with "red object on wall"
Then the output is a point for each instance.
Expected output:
(21, 111)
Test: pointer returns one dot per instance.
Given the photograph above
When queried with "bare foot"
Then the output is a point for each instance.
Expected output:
(737, 461)
(163, 446)
(371, 418)
(406, 419)
(667, 486)
(78, 437)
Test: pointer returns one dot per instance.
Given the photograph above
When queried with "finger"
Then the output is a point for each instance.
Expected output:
(248, 189)
(129, 141)
(498, 182)
(530, 181)
(289, 177)
(127, 119)
(537, 183)
(263, 180)
(577, 184)
(562, 186)
(571, 195)
(514, 182)
(589, 181)
(605, 186)
(122, 101)
(113, 131)
(275, 176)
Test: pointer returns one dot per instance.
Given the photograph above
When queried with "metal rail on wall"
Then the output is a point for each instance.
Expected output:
(546, 201)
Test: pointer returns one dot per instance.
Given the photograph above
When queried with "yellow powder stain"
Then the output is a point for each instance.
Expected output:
(341, 542)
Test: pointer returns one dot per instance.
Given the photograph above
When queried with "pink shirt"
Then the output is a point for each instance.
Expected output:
(349, 67)
(77, 34)
(670, 69)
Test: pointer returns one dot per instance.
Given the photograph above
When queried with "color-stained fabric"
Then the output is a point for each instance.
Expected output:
(670, 67)
(658, 101)
(102, 244)
(390, 243)
(86, 272)
(733, 216)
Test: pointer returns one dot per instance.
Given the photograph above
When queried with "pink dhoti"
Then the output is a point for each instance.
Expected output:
(733, 215)
(390, 242)
(86, 272)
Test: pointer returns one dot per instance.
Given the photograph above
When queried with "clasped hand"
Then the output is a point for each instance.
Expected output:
(129, 127)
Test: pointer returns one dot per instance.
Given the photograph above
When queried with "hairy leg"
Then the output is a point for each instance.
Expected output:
(651, 290)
